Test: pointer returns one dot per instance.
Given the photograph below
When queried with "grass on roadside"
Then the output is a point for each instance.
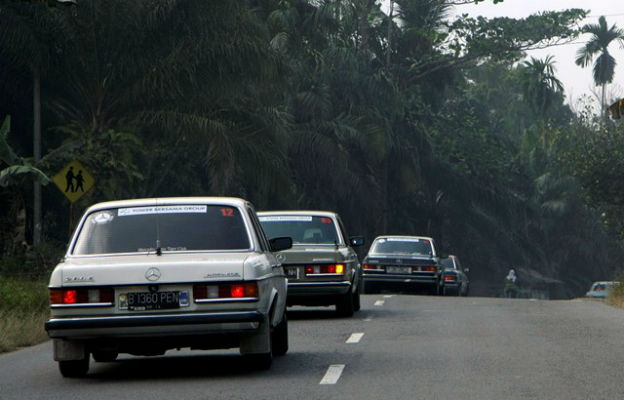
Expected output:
(21, 329)
(23, 311)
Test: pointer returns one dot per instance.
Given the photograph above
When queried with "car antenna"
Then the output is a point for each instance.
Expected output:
(159, 251)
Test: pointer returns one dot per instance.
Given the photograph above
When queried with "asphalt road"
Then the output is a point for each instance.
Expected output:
(396, 347)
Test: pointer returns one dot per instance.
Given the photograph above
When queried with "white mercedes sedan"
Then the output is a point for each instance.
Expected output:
(148, 275)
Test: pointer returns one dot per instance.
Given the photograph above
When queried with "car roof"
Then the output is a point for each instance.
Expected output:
(231, 201)
(299, 212)
(402, 237)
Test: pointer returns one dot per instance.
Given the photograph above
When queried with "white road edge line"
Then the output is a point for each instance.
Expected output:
(333, 374)
(388, 296)
(379, 303)
(355, 337)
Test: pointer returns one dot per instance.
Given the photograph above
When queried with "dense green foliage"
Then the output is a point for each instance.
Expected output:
(413, 124)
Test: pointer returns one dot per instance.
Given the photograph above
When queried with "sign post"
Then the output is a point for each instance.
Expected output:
(73, 181)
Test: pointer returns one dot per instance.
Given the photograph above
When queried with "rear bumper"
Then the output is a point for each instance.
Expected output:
(317, 288)
(385, 278)
(316, 293)
(153, 325)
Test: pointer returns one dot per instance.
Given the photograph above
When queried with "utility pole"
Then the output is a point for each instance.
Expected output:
(37, 156)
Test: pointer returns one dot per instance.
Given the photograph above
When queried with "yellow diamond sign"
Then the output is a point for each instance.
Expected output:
(73, 180)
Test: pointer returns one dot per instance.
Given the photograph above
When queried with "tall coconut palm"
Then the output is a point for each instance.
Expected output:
(540, 84)
(603, 68)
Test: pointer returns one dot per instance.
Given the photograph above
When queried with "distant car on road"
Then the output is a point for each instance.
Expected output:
(322, 266)
(147, 275)
(402, 262)
(455, 280)
(601, 290)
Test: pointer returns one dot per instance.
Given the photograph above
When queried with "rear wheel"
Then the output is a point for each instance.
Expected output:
(345, 306)
(356, 299)
(105, 356)
(74, 368)
(280, 337)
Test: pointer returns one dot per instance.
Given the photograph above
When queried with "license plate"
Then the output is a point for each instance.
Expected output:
(153, 300)
(291, 272)
(398, 270)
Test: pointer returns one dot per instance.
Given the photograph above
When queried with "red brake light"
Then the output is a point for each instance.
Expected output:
(237, 291)
(450, 278)
(430, 269)
(70, 297)
(331, 269)
(367, 266)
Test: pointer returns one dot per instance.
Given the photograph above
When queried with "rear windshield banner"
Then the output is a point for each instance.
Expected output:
(122, 212)
(285, 218)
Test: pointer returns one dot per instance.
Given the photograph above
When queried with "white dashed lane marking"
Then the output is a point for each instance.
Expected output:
(388, 296)
(355, 337)
(333, 374)
(368, 319)
(379, 303)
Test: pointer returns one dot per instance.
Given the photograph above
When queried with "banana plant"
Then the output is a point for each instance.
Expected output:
(19, 168)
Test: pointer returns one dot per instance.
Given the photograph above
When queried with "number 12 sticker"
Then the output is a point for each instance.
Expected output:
(227, 212)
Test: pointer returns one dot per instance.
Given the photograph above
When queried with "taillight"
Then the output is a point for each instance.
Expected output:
(81, 296)
(324, 269)
(367, 266)
(70, 297)
(225, 291)
(449, 278)
(430, 269)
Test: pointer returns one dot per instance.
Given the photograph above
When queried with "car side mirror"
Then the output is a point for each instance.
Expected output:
(356, 241)
(280, 243)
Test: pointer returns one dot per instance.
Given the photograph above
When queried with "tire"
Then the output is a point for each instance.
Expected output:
(356, 299)
(105, 356)
(74, 368)
(345, 305)
(280, 337)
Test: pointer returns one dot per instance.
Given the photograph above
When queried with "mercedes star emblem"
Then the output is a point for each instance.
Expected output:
(153, 274)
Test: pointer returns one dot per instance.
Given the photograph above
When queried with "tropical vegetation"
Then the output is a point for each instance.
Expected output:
(410, 121)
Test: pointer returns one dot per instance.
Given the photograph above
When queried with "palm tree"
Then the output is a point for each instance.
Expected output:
(540, 84)
(603, 68)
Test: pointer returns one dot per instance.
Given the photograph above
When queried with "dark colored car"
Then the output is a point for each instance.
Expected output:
(322, 267)
(396, 262)
(455, 280)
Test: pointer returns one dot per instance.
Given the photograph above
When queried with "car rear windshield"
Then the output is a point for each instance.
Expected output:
(408, 246)
(448, 262)
(169, 227)
(302, 229)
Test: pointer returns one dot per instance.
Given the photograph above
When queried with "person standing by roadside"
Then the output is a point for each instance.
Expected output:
(511, 286)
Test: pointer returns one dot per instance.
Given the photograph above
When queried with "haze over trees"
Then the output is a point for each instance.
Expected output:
(404, 124)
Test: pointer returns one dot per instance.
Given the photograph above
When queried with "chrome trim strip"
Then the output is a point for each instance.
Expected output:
(328, 274)
(295, 284)
(227, 300)
(82, 305)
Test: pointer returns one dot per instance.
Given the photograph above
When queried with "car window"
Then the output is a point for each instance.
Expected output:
(447, 262)
(302, 229)
(411, 246)
(259, 230)
(171, 227)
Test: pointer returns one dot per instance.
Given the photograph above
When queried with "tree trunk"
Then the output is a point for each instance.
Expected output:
(37, 157)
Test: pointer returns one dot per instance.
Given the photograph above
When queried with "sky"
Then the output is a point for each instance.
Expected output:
(577, 81)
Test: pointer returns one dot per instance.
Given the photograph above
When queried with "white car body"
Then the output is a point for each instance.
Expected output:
(170, 277)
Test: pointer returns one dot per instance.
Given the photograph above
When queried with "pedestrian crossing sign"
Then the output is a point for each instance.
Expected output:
(74, 180)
